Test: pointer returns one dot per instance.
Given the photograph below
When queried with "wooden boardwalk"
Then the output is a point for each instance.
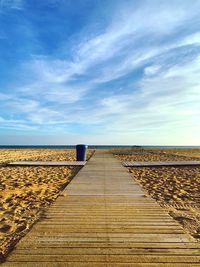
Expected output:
(46, 163)
(159, 163)
(103, 218)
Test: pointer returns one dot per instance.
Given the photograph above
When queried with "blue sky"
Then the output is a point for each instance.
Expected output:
(100, 72)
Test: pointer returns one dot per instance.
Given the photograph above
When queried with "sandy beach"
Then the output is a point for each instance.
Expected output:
(8, 155)
(159, 155)
(174, 188)
(25, 192)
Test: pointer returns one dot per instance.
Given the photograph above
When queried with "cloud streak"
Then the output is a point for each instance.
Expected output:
(136, 74)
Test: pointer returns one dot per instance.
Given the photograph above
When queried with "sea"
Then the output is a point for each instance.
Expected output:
(89, 146)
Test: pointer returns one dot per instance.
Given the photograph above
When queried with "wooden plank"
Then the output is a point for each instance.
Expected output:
(109, 245)
(108, 258)
(99, 230)
(95, 264)
(46, 163)
(159, 163)
(108, 251)
(103, 218)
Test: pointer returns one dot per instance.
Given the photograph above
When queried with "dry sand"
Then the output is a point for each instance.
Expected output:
(185, 152)
(26, 191)
(177, 189)
(7, 155)
(160, 155)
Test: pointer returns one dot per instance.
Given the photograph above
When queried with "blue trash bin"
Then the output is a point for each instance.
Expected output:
(81, 152)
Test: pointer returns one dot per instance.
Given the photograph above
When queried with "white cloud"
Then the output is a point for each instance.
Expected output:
(162, 103)
(15, 4)
(128, 29)
(151, 70)
(137, 38)
(4, 96)
(192, 39)
(15, 124)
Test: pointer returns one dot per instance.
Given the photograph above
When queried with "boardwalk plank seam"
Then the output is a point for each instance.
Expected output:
(159, 163)
(46, 163)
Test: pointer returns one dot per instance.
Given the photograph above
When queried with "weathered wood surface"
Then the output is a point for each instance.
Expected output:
(131, 153)
(47, 163)
(103, 218)
(159, 163)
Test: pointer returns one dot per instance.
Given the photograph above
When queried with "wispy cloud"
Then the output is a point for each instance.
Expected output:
(136, 74)
(166, 100)
(13, 4)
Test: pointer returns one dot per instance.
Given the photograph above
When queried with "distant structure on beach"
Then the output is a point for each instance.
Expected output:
(137, 148)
